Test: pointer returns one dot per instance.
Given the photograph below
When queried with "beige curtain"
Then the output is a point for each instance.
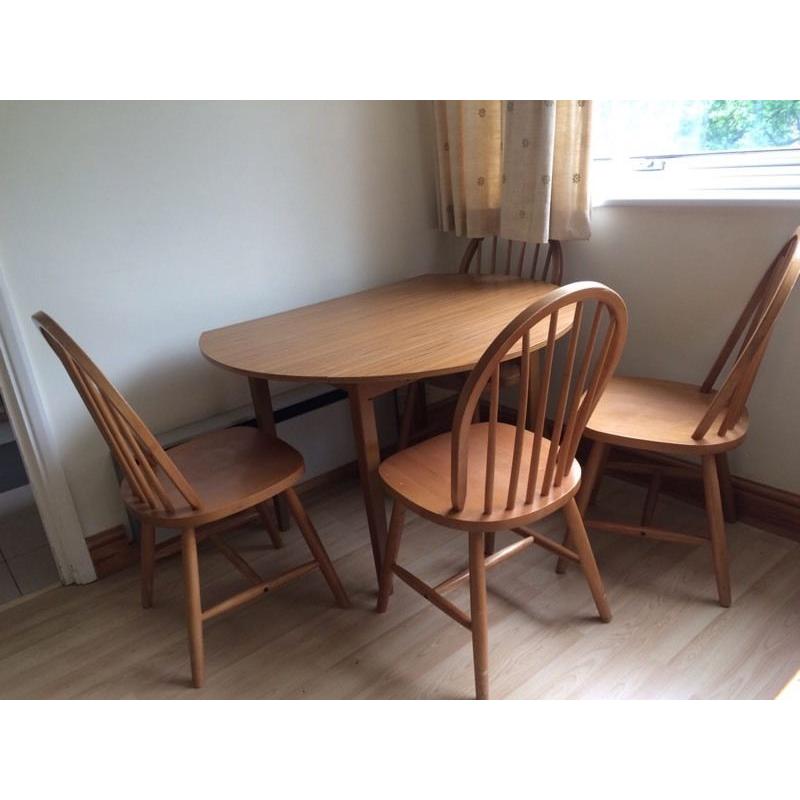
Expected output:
(515, 168)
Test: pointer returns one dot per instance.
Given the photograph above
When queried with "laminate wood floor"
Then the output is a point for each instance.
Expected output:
(668, 638)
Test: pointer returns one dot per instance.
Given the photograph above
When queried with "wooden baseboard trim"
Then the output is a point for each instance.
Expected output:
(763, 506)
(757, 504)
(774, 510)
(111, 551)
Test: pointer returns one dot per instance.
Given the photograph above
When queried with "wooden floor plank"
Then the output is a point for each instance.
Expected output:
(668, 638)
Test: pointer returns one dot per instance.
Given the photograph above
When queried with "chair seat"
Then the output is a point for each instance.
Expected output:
(420, 477)
(509, 376)
(658, 416)
(231, 470)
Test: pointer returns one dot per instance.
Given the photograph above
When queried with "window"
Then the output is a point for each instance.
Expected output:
(650, 149)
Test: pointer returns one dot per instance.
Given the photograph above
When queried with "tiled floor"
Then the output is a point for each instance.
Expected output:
(26, 563)
(8, 587)
(6, 434)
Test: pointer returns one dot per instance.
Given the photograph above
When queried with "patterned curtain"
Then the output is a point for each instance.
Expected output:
(514, 168)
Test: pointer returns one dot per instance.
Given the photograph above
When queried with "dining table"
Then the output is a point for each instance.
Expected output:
(372, 342)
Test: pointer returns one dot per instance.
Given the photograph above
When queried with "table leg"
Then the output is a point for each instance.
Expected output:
(262, 403)
(365, 431)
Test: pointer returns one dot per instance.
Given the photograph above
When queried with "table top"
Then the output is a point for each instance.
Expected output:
(428, 325)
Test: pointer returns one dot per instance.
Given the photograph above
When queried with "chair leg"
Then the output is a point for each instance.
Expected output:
(315, 546)
(580, 541)
(596, 460)
(281, 512)
(488, 543)
(390, 555)
(726, 488)
(398, 416)
(194, 610)
(147, 542)
(716, 529)
(407, 419)
(599, 478)
(536, 369)
(479, 614)
(266, 521)
(422, 404)
(650, 501)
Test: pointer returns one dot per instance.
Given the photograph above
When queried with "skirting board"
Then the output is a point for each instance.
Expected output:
(111, 550)
(765, 507)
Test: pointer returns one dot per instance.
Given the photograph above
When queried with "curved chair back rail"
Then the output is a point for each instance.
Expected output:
(591, 352)
(135, 449)
(751, 333)
(539, 262)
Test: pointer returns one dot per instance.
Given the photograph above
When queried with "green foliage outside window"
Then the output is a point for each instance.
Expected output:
(651, 128)
(743, 124)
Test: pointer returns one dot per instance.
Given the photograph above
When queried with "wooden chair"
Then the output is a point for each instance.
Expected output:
(207, 479)
(490, 476)
(509, 257)
(680, 420)
(504, 257)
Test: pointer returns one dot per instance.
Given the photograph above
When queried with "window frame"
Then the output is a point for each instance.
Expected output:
(763, 176)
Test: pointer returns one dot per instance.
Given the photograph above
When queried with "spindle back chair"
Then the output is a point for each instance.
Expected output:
(194, 487)
(677, 419)
(493, 476)
(539, 262)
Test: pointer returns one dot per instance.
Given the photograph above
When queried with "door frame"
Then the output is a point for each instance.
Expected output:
(34, 437)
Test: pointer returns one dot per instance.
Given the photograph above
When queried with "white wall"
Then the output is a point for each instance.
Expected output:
(139, 225)
(686, 273)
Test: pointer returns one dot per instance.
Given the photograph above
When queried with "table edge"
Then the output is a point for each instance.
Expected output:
(358, 379)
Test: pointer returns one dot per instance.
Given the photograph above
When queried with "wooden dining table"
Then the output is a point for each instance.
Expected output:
(372, 342)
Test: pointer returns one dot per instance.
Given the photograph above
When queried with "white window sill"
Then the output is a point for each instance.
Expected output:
(763, 198)
(757, 178)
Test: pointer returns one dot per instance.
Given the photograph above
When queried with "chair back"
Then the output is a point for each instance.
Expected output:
(745, 346)
(508, 257)
(588, 356)
(141, 458)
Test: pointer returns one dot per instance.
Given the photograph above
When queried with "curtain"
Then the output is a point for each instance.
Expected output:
(514, 168)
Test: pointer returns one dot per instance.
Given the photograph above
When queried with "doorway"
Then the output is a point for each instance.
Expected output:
(41, 499)
(26, 560)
